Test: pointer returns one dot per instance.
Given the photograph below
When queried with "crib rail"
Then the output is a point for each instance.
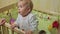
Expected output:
(6, 8)
(6, 27)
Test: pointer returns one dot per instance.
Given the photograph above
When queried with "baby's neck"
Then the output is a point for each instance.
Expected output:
(26, 14)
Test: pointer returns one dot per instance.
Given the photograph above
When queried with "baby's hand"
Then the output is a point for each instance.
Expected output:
(28, 32)
(13, 26)
(2, 22)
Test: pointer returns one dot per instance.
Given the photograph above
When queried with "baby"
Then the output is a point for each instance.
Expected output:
(26, 21)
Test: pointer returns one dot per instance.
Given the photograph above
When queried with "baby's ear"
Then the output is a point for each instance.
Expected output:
(28, 9)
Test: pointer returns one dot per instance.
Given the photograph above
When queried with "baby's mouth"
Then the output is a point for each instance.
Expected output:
(18, 12)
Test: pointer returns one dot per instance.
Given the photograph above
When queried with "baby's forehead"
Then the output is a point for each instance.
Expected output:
(22, 3)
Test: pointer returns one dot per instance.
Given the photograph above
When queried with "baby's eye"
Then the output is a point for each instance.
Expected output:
(20, 6)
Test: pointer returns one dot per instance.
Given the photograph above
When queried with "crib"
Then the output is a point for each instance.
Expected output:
(4, 29)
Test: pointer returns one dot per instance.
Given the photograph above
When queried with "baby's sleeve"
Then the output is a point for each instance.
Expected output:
(17, 21)
(33, 23)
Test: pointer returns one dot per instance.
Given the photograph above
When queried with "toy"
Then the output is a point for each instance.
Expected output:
(50, 27)
(12, 21)
(55, 24)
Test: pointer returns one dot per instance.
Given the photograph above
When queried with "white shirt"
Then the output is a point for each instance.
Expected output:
(28, 22)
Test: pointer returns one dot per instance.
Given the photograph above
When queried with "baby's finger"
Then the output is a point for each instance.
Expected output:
(26, 32)
(12, 26)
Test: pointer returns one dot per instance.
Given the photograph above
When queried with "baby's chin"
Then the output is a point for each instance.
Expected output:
(21, 14)
(24, 14)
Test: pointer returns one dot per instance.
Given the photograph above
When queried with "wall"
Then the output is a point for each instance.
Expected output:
(47, 5)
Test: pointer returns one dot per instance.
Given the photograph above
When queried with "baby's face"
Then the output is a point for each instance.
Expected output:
(22, 8)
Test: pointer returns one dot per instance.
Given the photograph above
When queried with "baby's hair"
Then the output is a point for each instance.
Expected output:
(31, 5)
(42, 32)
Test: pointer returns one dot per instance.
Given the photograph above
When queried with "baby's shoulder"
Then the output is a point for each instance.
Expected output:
(32, 15)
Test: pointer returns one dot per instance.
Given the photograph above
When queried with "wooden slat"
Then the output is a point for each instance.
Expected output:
(15, 29)
(0, 29)
(0, 26)
(58, 30)
(12, 31)
(5, 30)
